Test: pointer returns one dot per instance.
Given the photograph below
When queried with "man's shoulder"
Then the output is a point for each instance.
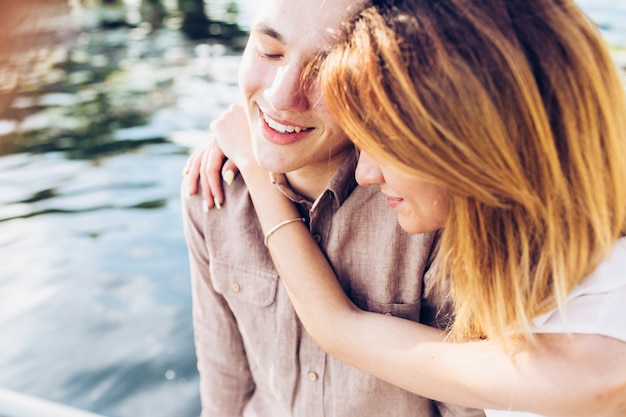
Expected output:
(232, 233)
(369, 205)
(366, 219)
(235, 210)
(370, 198)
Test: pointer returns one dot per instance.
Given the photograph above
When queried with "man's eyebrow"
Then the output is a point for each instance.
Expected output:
(268, 31)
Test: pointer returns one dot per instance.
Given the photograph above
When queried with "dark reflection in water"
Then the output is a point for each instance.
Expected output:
(98, 109)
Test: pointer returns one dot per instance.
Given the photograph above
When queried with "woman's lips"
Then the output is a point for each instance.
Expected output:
(394, 201)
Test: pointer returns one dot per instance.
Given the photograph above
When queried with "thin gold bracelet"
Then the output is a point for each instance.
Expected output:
(279, 225)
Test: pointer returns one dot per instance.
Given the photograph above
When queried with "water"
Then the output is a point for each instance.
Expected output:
(610, 15)
(95, 307)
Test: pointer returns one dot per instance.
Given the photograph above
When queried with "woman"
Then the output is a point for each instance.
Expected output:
(503, 123)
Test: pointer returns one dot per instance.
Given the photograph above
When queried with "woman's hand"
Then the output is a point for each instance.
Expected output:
(231, 132)
(207, 167)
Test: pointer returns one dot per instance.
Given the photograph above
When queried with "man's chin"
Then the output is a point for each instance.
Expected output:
(268, 160)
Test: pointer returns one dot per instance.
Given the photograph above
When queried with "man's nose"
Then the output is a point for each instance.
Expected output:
(367, 171)
(287, 92)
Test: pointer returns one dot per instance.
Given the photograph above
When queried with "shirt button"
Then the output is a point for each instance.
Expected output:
(312, 376)
(317, 238)
(236, 287)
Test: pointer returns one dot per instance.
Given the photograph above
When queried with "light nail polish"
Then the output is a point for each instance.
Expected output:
(205, 206)
(229, 176)
(217, 203)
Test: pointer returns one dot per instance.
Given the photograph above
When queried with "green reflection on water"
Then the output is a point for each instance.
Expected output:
(77, 96)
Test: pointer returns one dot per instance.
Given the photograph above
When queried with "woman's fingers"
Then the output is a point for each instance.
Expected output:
(229, 171)
(210, 177)
(191, 171)
(206, 168)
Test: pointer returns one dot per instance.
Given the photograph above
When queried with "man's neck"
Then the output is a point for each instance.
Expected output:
(311, 180)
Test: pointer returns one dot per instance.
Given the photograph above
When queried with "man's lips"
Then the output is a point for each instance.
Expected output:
(281, 133)
(280, 127)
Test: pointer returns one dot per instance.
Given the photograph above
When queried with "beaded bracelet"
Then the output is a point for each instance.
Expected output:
(279, 225)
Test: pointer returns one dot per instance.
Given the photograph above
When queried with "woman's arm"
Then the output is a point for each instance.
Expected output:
(581, 375)
(578, 376)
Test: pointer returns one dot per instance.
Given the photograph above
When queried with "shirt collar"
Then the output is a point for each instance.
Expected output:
(339, 188)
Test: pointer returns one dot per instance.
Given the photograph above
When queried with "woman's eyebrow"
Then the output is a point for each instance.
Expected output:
(268, 31)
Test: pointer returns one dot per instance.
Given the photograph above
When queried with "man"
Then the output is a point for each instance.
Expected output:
(254, 357)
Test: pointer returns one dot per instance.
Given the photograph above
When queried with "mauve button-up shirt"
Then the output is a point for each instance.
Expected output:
(254, 356)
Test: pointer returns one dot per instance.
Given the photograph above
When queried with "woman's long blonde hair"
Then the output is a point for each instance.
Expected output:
(516, 108)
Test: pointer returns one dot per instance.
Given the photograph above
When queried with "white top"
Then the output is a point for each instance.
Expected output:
(595, 306)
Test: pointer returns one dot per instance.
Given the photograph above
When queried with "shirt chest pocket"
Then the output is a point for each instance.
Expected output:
(238, 283)
(409, 311)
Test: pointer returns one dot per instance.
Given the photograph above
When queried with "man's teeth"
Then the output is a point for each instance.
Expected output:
(282, 128)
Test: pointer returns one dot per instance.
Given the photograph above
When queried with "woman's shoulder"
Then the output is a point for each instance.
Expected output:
(596, 305)
(609, 275)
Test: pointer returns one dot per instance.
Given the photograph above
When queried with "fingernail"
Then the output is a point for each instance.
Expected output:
(187, 193)
(217, 203)
(229, 176)
(205, 206)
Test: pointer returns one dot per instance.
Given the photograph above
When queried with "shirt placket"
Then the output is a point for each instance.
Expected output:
(312, 376)
(313, 359)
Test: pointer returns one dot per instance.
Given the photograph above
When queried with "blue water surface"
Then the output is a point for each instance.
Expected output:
(95, 307)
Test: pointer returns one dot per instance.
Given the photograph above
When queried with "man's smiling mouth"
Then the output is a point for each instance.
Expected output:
(281, 128)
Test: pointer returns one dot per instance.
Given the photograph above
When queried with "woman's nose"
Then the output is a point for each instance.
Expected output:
(367, 171)
(287, 91)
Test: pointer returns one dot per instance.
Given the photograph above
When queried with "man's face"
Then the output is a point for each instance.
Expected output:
(291, 127)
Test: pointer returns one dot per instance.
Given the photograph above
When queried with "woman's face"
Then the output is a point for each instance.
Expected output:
(421, 206)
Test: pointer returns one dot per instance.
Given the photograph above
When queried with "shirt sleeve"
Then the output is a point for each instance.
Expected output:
(596, 305)
(595, 313)
(226, 384)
